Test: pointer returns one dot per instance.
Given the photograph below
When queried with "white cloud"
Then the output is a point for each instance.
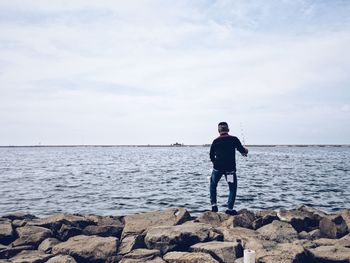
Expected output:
(150, 66)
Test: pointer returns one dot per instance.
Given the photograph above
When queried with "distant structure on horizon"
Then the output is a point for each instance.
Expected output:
(177, 144)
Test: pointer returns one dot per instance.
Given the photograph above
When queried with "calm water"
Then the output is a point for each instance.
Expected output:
(124, 180)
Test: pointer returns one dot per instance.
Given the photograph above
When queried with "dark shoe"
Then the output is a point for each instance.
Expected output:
(214, 208)
(231, 212)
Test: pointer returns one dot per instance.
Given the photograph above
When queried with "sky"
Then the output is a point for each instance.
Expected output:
(160, 72)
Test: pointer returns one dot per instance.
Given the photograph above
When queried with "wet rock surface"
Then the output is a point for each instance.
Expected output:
(302, 235)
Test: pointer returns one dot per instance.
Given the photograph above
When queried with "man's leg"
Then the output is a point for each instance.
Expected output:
(214, 179)
(231, 179)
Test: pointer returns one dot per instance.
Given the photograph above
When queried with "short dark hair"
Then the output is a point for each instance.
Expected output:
(223, 126)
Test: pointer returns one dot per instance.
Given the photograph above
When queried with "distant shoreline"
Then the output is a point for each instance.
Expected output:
(172, 146)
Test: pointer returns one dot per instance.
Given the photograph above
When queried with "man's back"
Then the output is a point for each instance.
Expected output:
(223, 152)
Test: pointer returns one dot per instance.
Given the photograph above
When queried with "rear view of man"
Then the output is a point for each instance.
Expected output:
(223, 157)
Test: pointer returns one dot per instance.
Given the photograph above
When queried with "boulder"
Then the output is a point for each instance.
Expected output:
(138, 223)
(31, 256)
(31, 235)
(20, 216)
(300, 219)
(106, 220)
(7, 235)
(186, 257)
(88, 248)
(131, 260)
(345, 213)
(180, 237)
(226, 252)
(330, 254)
(12, 251)
(67, 231)
(278, 231)
(103, 230)
(212, 218)
(333, 226)
(282, 253)
(2, 247)
(142, 254)
(61, 259)
(19, 223)
(264, 218)
(47, 244)
(238, 234)
(55, 222)
(130, 243)
(344, 241)
(245, 218)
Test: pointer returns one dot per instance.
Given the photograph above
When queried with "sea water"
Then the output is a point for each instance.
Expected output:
(125, 180)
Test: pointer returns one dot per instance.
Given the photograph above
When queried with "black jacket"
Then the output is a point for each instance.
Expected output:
(223, 152)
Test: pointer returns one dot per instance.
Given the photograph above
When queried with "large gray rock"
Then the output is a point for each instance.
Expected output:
(31, 256)
(20, 216)
(7, 235)
(55, 222)
(141, 255)
(212, 218)
(106, 220)
(186, 257)
(238, 234)
(245, 218)
(333, 226)
(138, 223)
(131, 242)
(67, 231)
(180, 237)
(103, 230)
(302, 219)
(345, 213)
(226, 252)
(90, 248)
(278, 231)
(47, 245)
(62, 259)
(330, 254)
(282, 253)
(264, 218)
(31, 235)
(12, 251)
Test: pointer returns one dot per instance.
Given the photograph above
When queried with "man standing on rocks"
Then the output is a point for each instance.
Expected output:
(223, 157)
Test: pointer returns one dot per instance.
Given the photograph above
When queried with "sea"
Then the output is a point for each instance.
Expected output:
(120, 180)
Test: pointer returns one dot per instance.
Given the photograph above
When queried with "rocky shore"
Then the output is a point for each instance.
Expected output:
(302, 235)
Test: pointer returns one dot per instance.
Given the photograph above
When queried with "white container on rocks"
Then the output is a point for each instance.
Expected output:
(249, 256)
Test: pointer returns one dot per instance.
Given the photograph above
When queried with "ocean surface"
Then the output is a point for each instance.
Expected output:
(125, 180)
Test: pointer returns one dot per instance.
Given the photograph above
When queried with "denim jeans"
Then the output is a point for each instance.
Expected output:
(214, 180)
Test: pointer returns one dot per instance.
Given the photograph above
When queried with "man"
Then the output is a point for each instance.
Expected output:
(223, 157)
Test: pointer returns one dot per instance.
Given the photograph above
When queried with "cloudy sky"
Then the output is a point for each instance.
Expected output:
(158, 71)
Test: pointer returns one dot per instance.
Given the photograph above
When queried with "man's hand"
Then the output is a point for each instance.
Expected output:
(246, 152)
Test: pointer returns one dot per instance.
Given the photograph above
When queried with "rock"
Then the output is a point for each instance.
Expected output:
(89, 248)
(239, 260)
(12, 251)
(153, 260)
(344, 241)
(31, 256)
(55, 222)
(103, 230)
(278, 231)
(130, 243)
(282, 253)
(245, 218)
(20, 216)
(2, 247)
(330, 254)
(264, 218)
(67, 231)
(106, 220)
(7, 235)
(345, 213)
(226, 252)
(138, 223)
(180, 237)
(61, 259)
(212, 218)
(186, 257)
(144, 254)
(31, 235)
(237, 234)
(19, 223)
(300, 219)
(333, 226)
(47, 244)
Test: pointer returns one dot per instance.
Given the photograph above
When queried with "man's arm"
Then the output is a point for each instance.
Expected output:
(212, 153)
(241, 148)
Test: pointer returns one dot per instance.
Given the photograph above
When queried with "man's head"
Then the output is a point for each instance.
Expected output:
(223, 127)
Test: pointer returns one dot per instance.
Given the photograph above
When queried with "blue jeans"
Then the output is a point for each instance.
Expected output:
(214, 180)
